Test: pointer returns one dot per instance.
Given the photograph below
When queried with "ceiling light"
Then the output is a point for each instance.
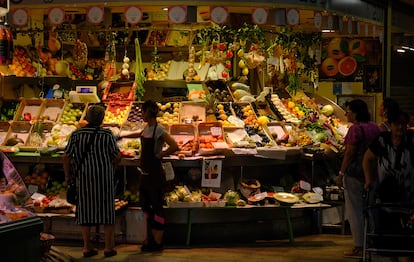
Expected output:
(399, 50)
(165, 9)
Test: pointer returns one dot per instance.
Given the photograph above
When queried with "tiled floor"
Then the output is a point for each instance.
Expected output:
(313, 248)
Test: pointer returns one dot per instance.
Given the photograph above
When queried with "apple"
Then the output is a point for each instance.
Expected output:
(224, 74)
(222, 46)
(27, 116)
(229, 54)
(228, 64)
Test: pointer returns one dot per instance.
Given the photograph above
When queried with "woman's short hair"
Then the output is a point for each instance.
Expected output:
(360, 109)
(151, 106)
(399, 117)
(95, 115)
(390, 106)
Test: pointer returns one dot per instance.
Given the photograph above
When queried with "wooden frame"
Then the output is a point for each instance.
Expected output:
(372, 78)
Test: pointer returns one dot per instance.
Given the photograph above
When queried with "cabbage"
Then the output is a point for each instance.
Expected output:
(231, 197)
(320, 137)
(327, 110)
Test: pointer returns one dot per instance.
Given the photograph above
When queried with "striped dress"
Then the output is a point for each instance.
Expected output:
(95, 178)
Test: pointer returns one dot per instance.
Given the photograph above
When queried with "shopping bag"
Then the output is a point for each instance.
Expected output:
(72, 193)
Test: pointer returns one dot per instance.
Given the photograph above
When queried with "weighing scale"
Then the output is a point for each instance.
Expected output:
(84, 94)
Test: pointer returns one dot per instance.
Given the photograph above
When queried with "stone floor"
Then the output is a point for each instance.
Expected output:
(313, 248)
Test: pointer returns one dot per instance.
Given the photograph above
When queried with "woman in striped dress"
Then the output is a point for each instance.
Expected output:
(92, 154)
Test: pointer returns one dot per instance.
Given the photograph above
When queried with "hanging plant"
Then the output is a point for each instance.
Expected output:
(297, 57)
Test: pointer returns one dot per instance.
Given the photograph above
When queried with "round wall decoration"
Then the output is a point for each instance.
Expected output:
(95, 14)
(56, 15)
(20, 17)
(133, 14)
(219, 14)
(177, 14)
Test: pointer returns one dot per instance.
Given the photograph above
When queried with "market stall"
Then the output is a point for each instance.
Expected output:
(242, 103)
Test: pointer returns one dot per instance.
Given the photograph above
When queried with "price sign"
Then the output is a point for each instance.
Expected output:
(133, 14)
(292, 16)
(20, 17)
(259, 16)
(56, 15)
(95, 14)
(219, 14)
(177, 14)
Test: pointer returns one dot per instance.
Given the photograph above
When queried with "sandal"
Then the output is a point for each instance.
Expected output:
(110, 253)
(90, 253)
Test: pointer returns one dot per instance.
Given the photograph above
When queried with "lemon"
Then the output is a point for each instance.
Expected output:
(245, 71)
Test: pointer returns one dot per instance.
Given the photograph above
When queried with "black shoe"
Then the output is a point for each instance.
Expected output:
(90, 253)
(110, 253)
(152, 247)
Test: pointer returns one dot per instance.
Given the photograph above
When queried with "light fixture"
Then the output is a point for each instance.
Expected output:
(328, 31)
(164, 9)
(399, 50)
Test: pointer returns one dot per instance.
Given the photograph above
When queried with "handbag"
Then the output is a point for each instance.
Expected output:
(71, 189)
(72, 193)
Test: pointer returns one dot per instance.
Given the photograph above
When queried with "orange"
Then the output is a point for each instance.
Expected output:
(329, 67)
(347, 66)
(337, 47)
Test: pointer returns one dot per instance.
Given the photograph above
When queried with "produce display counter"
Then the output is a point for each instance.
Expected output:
(280, 220)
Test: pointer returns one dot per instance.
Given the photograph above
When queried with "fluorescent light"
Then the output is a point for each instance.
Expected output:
(400, 50)
(165, 9)
(328, 31)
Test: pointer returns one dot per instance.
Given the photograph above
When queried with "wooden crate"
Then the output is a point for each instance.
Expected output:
(211, 138)
(116, 112)
(47, 128)
(52, 109)
(4, 129)
(192, 112)
(186, 137)
(31, 106)
(20, 129)
(70, 107)
(118, 91)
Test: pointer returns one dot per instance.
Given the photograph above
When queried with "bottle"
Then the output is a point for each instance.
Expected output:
(9, 35)
(3, 43)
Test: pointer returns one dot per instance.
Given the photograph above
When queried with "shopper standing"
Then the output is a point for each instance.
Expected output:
(153, 138)
(91, 155)
(360, 134)
(390, 161)
(388, 106)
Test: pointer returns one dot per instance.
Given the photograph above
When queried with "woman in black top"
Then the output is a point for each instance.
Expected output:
(91, 155)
